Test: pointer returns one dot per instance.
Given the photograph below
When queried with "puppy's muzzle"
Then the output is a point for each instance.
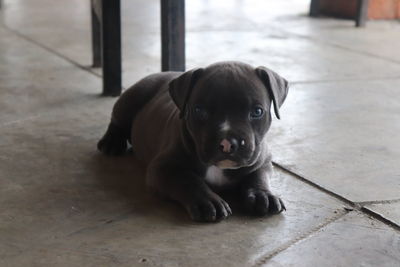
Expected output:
(232, 152)
(230, 145)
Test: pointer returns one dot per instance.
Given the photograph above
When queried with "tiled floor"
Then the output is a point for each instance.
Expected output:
(64, 204)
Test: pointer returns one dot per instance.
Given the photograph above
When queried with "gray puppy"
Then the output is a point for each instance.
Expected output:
(201, 131)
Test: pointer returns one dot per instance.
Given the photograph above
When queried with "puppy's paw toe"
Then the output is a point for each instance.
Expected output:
(209, 210)
(276, 204)
(261, 202)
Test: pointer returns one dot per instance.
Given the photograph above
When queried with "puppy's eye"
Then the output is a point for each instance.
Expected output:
(200, 113)
(256, 113)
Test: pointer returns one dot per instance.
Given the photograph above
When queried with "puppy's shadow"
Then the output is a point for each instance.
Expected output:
(123, 178)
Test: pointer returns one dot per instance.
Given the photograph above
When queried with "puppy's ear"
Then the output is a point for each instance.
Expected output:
(181, 87)
(277, 87)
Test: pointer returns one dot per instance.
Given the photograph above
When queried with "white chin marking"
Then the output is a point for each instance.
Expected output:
(227, 164)
(225, 126)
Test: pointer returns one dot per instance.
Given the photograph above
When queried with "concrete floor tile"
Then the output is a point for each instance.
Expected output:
(139, 18)
(64, 204)
(342, 136)
(33, 80)
(284, 54)
(62, 201)
(65, 29)
(372, 40)
(354, 240)
(53, 28)
(208, 40)
(33, 256)
(389, 211)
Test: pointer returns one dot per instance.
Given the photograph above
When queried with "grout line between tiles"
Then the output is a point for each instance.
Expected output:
(311, 38)
(389, 201)
(89, 69)
(50, 50)
(265, 258)
(305, 180)
(349, 49)
(380, 218)
(336, 45)
(346, 80)
(356, 205)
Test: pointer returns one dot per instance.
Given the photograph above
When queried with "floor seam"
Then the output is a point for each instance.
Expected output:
(40, 113)
(347, 80)
(89, 69)
(50, 50)
(317, 186)
(265, 258)
(389, 201)
(380, 217)
(343, 47)
(355, 205)
(363, 53)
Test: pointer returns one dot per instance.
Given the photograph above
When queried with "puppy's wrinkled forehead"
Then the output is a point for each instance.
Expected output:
(230, 83)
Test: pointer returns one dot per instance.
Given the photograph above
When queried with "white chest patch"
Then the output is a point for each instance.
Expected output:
(215, 176)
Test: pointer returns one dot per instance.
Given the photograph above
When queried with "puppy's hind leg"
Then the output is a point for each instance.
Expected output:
(114, 141)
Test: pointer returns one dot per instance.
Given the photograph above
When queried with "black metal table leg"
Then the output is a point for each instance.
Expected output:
(314, 8)
(362, 13)
(172, 35)
(95, 10)
(111, 47)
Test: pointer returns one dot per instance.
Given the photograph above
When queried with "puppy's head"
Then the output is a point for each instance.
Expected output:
(226, 107)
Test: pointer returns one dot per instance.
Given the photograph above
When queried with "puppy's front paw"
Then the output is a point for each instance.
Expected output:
(261, 202)
(208, 209)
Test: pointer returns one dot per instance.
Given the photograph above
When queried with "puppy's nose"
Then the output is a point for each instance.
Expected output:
(229, 145)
